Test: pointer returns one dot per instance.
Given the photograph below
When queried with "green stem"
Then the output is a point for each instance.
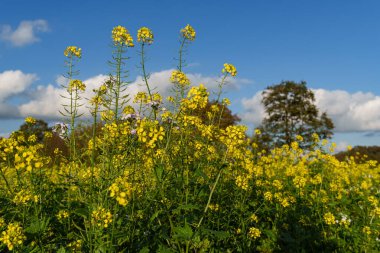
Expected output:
(145, 77)
(118, 80)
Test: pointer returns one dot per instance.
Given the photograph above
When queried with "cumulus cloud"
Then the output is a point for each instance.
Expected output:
(350, 112)
(46, 101)
(13, 82)
(25, 33)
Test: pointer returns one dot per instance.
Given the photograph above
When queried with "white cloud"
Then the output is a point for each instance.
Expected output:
(13, 82)
(350, 112)
(46, 101)
(25, 32)
(253, 110)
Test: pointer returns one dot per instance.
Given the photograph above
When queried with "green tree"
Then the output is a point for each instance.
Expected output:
(227, 118)
(290, 112)
(38, 129)
(360, 154)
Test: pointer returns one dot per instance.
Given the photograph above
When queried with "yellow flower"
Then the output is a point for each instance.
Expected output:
(329, 218)
(62, 215)
(229, 69)
(226, 101)
(101, 217)
(367, 230)
(121, 36)
(179, 78)
(30, 120)
(145, 35)
(32, 138)
(214, 207)
(73, 51)
(268, 196)
(254, 233)
(13, 236)
(2, 222)
(188, 33)
(75, 246)
(76, 85)
(254, 218)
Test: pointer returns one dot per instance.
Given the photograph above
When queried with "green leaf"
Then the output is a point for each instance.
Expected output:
(38, 226)
(164, 249)
(144, 250)
(183, 233)
(61, 250)
(159, 171)
(154, 216)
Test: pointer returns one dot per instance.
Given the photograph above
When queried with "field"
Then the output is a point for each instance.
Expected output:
(157, 177)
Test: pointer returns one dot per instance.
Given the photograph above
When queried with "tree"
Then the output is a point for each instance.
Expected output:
(290, 112)
(360, 154)
(226, 118)
(38, 128)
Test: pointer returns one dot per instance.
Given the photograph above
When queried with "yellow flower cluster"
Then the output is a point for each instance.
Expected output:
(96, 100)
(140, 97)
(121, 190)
(234, 136)
(149, 132)
(23, 197)
(214, 207)
(254, 218)
(28, 160)
(101, 217)
(367, 230)
(107, 115)
(197, 97)
(145, 35)
(191, 121)
(188, 32)
(242, 182)
(13, 236)
(30, 120)
(75, 246)
(329, 218)
(180, 78)
(62, 215)
(121, 36)
(73, 51)
(254, 232)
(229, 69)
(75, 85)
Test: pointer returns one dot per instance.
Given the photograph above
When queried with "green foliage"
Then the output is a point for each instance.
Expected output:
(360, 154)
(227, 118)
(39, 128)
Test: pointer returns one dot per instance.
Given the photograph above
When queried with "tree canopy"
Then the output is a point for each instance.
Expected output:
(291, 112)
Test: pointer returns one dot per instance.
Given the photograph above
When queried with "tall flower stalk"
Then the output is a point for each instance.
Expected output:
(74, 87)
(116, 85)
(145, 38)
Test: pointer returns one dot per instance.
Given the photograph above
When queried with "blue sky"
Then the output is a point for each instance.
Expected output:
(333, 45)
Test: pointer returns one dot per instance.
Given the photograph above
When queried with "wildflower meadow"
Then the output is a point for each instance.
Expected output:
(153, 176)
